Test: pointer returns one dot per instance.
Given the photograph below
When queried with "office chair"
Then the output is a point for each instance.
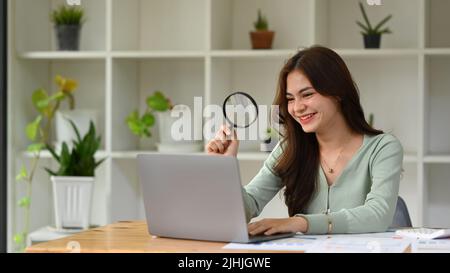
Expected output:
(401, 216)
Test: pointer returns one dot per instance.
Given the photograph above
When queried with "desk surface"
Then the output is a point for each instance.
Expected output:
(127, 236)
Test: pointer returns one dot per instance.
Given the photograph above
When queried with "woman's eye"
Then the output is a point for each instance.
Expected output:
(289, 99)
(306, 95)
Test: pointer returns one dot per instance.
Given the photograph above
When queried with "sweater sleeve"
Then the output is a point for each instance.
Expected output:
(379, 207)
(263, 187)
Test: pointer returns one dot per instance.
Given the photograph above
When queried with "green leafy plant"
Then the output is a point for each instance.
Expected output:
(368, 29)
(140, 125)
(80, 160)
(261, 23)
(68, 16)
(38, 132)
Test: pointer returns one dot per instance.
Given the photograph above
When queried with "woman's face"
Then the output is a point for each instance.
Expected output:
(313, 111)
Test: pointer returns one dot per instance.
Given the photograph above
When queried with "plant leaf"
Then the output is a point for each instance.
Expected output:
(24, 202)
(158, 102)
(35, 147)
(39, 99)
(363, 11)
(33, 127)
(380, 24)
(148, 119)
(386, 30)
(362, 26)
(22, 174)
(53, 153)
(75, 129)
(19, 238)
(80, 160)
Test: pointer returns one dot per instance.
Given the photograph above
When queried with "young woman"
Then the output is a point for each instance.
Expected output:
(340, 175)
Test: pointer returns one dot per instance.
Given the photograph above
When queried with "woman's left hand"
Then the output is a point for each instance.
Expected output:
(282, 225)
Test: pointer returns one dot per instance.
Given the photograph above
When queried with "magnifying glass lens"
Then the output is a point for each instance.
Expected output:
(240, 110)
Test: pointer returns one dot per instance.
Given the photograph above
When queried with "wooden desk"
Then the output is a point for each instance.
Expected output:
(124, 237)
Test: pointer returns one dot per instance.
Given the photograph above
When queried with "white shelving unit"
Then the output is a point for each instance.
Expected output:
(201, 48)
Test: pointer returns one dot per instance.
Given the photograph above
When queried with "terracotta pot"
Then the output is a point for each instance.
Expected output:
(262, 39)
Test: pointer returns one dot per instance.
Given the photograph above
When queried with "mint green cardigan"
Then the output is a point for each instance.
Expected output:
(362, 199)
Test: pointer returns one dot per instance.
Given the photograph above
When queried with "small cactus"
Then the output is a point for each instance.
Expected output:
(261, 24)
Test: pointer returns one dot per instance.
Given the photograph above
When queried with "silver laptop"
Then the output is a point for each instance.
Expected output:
(195, 197)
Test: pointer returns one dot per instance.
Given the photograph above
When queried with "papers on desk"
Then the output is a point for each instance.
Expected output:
(431, 246)
(348, 243)
(295, 243)
(361, 245)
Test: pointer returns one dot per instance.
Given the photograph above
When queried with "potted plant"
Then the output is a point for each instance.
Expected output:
(270, 140)
(68, 22)
(73, 182)
(160, 108)
(262, 37)
(140, 125)
(38, 132)
(372, 35)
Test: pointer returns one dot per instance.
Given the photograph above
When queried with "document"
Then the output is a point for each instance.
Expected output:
(431, 246)
(360, 244)
(345, 243)
(288, 244)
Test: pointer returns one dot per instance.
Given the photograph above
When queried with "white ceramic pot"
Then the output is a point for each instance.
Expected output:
(81, 118)
(72, 199)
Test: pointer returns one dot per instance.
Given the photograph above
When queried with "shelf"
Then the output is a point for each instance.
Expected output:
(437, 159)
(46, 154)
(404, 52)
(257, 156)
(63, 55)
(437, 51)
(157, 54)
(246, 156)
(269, 53)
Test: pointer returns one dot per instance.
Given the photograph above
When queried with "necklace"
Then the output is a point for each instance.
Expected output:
(331, 170)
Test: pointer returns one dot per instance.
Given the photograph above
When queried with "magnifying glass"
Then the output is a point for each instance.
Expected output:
(240, 110)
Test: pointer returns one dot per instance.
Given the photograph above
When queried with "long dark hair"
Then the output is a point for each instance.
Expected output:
(298, 165)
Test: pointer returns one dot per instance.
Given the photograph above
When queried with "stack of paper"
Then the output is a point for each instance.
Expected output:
(366, 243)
(289, 244)
(431, 246)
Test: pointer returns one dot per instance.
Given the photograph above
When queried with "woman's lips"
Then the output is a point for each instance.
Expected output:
(307, 118)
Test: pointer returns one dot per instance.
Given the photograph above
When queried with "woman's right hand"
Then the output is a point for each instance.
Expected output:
(223, 143)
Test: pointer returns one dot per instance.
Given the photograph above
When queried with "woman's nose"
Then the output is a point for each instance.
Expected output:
(299, 106)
